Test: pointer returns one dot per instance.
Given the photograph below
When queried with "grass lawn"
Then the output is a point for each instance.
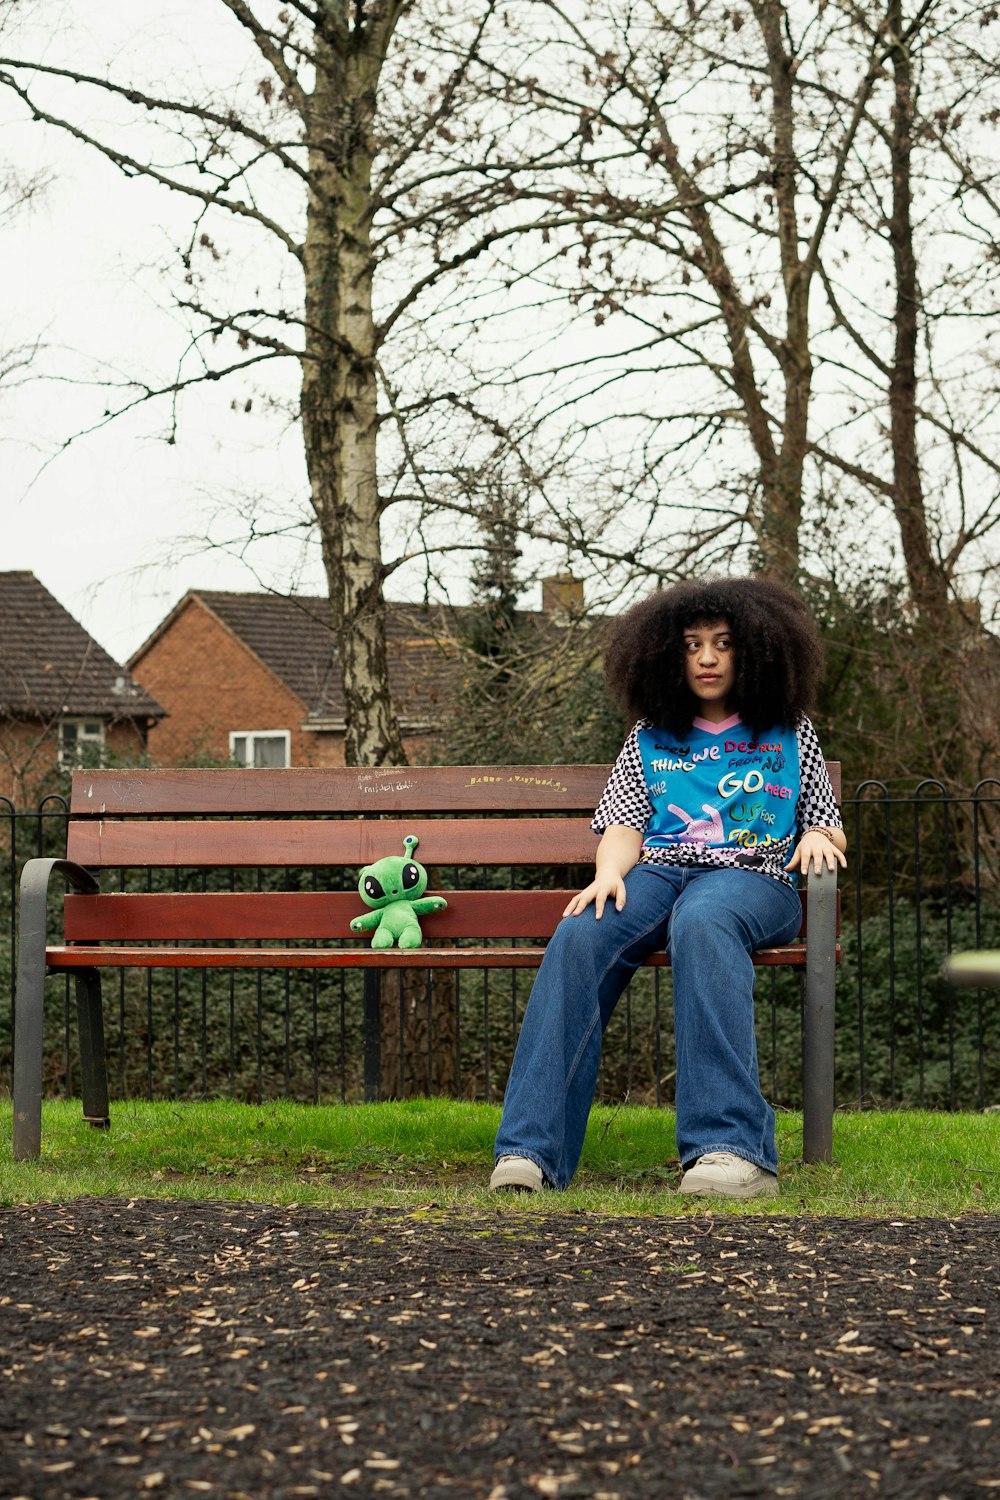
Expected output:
(438, 1152)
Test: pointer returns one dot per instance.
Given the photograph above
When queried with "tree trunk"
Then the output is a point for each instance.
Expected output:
(419, 1033)
(340, 429)
(339, 393)
(781, 518)
(937, 625)
(926, 578)
(777, 512)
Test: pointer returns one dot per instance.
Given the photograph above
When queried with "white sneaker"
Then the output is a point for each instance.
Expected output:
(723, 1175)
(518, 1173)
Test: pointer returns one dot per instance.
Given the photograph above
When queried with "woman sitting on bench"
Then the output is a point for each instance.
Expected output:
(719, 794)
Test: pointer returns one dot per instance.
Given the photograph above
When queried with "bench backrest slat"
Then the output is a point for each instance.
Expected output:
(299, 915)
(400, 789)
(349, 841)
(343, 790)
(306, 916)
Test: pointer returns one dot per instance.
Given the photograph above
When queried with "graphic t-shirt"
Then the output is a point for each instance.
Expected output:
(721, 796)
(721, 791)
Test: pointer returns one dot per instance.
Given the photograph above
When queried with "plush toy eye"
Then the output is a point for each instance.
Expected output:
(373, 890)
(411, 876)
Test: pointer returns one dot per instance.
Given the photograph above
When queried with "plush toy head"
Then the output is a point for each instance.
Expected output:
(393, 878)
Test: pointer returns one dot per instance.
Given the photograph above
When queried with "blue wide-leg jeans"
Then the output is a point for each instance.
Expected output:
(709, 920)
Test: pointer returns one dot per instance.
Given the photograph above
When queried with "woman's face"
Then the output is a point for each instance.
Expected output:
(710, 667)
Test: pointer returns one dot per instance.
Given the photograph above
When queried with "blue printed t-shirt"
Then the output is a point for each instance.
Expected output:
(720, 796)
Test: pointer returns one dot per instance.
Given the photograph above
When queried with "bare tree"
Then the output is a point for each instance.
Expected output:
(702, 203)
(759, 216)
(939, 419)
(674, 258)
(781, 264)
(358, 169)
(322, 137)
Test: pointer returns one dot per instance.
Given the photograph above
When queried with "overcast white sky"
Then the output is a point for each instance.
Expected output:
(100, 524)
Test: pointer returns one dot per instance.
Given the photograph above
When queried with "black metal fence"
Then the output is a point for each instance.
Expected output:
(923, 880)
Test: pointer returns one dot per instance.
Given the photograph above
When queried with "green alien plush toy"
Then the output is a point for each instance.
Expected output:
(395, 888)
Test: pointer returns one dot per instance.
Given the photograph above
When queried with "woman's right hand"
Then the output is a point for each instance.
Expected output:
(617, 852)
(600, 890)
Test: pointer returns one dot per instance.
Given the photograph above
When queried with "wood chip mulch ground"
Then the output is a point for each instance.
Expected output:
(163, 1348)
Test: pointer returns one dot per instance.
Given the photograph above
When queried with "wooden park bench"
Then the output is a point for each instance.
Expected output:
(483, 816)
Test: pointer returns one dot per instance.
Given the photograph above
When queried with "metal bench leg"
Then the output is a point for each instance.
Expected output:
(93, 1066)
(29, 999)
(373, 1035)
(28, 1047)
(818, 1030)
(29, 1005)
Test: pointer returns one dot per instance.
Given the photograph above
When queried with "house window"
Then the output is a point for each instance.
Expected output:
(81, 742)
(264, 749)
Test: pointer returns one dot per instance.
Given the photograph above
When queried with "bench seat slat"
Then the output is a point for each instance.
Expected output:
(286, 843)
(85, 957)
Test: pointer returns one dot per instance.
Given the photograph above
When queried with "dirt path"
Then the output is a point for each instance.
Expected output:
(173, 1348)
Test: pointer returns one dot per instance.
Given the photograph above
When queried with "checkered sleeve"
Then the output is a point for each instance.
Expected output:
(817, 805)
(625, 801)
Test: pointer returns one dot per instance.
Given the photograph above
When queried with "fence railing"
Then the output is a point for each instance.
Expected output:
(923, 880)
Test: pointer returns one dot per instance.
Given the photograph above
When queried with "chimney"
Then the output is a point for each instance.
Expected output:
(562, 595)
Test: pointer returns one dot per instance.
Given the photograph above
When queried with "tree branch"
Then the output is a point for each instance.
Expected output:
(130, 166)
(229, 121)
(271, 52)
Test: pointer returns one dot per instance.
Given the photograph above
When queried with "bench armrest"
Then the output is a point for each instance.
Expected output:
(37, 873)
(29, 995)
(33, 904)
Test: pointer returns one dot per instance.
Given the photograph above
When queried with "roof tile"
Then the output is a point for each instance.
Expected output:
(293, 637)
(49, 664)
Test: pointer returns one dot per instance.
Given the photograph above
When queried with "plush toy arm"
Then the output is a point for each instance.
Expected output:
(426, 904)
(367, 922)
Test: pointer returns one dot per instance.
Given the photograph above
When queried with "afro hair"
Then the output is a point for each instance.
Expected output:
(778, 652)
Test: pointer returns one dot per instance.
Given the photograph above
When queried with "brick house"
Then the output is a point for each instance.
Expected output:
(254, 678)
(63, 699)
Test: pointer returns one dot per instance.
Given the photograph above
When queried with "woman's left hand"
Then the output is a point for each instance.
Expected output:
(816, 849)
